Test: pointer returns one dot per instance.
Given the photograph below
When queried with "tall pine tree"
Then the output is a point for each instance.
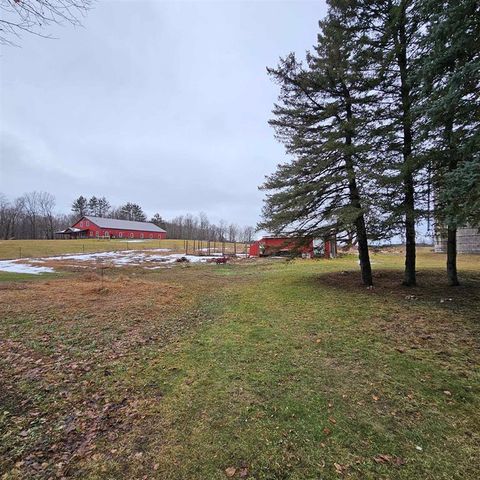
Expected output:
(80, 206)
(323, 106)
(392, 29)
(450, 70)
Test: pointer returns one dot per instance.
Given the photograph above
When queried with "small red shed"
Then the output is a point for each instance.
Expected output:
(98, 227)
(311, 247)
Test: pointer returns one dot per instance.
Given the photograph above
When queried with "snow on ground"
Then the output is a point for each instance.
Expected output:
(151, 259)
(120, 257)
(18, 266)
(133, 241)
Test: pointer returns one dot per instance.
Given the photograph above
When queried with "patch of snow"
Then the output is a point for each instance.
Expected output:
(134, 241)
(129, 257)
(15, 266)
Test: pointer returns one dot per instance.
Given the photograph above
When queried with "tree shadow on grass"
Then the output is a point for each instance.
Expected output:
(431, 315)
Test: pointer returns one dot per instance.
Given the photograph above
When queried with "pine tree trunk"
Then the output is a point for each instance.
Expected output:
(452, 276)
(452, 257)
(410, 279)
(363, 254)
(355, 201)
(408, 178)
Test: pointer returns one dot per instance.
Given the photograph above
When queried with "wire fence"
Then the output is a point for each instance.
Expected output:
(17, 249)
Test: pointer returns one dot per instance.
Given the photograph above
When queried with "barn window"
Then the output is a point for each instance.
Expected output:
(151, 235)
(141, 235)
(87, 224)
(107, 234)
(120, 234)
(81, 224)
(91, 233)
(131, 235)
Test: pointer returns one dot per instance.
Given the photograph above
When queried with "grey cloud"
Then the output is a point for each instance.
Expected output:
(161, 103)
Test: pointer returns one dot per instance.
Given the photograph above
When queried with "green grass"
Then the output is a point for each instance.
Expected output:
(16, 277)
(281, 370)
(12, 249)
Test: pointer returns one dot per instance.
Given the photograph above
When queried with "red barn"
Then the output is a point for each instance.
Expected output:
(96, 227)
(267, 246)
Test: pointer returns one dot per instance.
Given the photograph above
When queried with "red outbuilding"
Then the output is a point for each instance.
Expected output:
(267, 246)
(97, 227)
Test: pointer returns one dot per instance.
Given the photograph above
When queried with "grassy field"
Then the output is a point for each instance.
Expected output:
(11, 249)
(259, 369)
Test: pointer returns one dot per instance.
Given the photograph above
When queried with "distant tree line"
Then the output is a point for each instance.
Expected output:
(200, 228)
(30, 216)
(382, 123)
(33, 216)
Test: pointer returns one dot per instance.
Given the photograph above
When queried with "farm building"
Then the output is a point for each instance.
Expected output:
(97, 227)
(468, 241)
(268, 246)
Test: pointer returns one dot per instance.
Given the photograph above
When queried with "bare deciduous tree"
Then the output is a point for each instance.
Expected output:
(9, 213)
(46, 204)
(32, 16)
(232, 232)
(32, 210)
(247, 234)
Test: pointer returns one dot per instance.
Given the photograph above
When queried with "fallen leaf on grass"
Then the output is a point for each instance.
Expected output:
(340, 469)
(375, 398)
(327, 431)
(391, 459)
(230, 471)
(447, 393)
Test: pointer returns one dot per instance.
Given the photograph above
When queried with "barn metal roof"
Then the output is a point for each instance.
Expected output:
(71, 230)
(124, 224)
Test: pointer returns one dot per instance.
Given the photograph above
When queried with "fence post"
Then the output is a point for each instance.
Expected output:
(223, 248)
(235, 247)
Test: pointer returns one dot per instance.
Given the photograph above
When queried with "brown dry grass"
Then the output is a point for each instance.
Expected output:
(90, 294)
(62, 341)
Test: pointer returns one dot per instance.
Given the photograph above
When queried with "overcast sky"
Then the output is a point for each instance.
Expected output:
(160, 103)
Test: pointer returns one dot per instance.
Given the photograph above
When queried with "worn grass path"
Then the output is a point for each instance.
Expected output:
(296, 372)
(299, 376)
